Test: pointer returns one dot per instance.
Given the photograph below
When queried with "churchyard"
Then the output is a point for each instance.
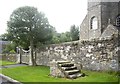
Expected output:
(38, 53)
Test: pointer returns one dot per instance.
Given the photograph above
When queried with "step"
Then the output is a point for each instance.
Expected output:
(74, 76)
(66, 65)
(61, 62)
(71, 72)
(69, 68)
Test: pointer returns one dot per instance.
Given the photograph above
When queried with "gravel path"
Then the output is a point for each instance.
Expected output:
(13, 65)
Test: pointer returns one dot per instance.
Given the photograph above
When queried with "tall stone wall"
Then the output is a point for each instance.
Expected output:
(43, 56)
(97, 54)
(93, 55)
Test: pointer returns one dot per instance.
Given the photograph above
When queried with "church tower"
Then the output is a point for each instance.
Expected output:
(100, 15)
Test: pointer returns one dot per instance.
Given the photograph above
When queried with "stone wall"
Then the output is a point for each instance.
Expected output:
(9, 57)
(43, 56)
(101, 54)
(97, 54)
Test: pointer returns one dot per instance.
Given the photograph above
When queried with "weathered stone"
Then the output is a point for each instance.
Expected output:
(64, 69)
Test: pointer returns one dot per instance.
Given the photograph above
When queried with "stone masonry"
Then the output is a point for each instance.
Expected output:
(100, 14)
(99, 54)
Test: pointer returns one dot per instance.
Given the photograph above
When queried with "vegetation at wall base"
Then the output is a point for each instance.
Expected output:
(3, 62)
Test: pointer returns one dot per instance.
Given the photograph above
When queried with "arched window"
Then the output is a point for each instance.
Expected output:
(118, 21)
(94, 23)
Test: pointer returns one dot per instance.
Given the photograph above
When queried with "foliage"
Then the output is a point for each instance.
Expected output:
(10, 48)
(61, 37)
(3, 37)
(4, 62)
(65, 37)
(26, 24)
(41, 74)
(73, 35)
(74, 32)
(12, 52)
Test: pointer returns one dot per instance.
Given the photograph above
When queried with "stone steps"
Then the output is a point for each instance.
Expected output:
(74, 76)
(71, 72)
(69, 69)
(62, 62)
(66, 64)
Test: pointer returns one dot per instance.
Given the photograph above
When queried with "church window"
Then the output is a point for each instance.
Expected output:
(94, 23)
(118, 21)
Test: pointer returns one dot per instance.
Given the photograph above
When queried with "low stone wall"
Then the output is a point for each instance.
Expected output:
(101, 54)
(9, 57)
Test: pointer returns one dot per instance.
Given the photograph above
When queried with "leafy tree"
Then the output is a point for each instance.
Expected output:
(10, 48)
(68, 36)
(5, 37)
(27, 26)
(56, 38)
(65, 37)
(61, 37)
(74, 33)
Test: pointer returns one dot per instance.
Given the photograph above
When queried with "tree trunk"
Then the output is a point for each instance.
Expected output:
(35, 57)
(20, 55)
(31, 45)
(32, 55)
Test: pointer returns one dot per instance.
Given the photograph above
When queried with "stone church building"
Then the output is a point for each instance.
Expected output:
(102, 20)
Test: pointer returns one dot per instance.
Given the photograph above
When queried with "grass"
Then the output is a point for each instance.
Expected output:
(41, 74)
(3, 62)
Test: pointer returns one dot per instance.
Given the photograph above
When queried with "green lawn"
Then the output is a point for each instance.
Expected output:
(3, 62)
(41, 74)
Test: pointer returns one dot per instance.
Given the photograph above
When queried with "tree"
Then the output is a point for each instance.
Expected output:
(65, 37)
(61, 37)
(5, 37)
(74, 33)
(27, 26)
(9, 48)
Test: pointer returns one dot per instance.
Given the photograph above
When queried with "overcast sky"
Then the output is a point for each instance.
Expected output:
(60, 13)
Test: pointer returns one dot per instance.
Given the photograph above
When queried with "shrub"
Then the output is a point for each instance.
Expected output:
(12, 52)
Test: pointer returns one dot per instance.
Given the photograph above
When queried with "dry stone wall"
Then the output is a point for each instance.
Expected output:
(101, 54)
(9, 57)
(97, 54)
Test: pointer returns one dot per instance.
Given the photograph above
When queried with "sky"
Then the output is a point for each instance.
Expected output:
(60, 13)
